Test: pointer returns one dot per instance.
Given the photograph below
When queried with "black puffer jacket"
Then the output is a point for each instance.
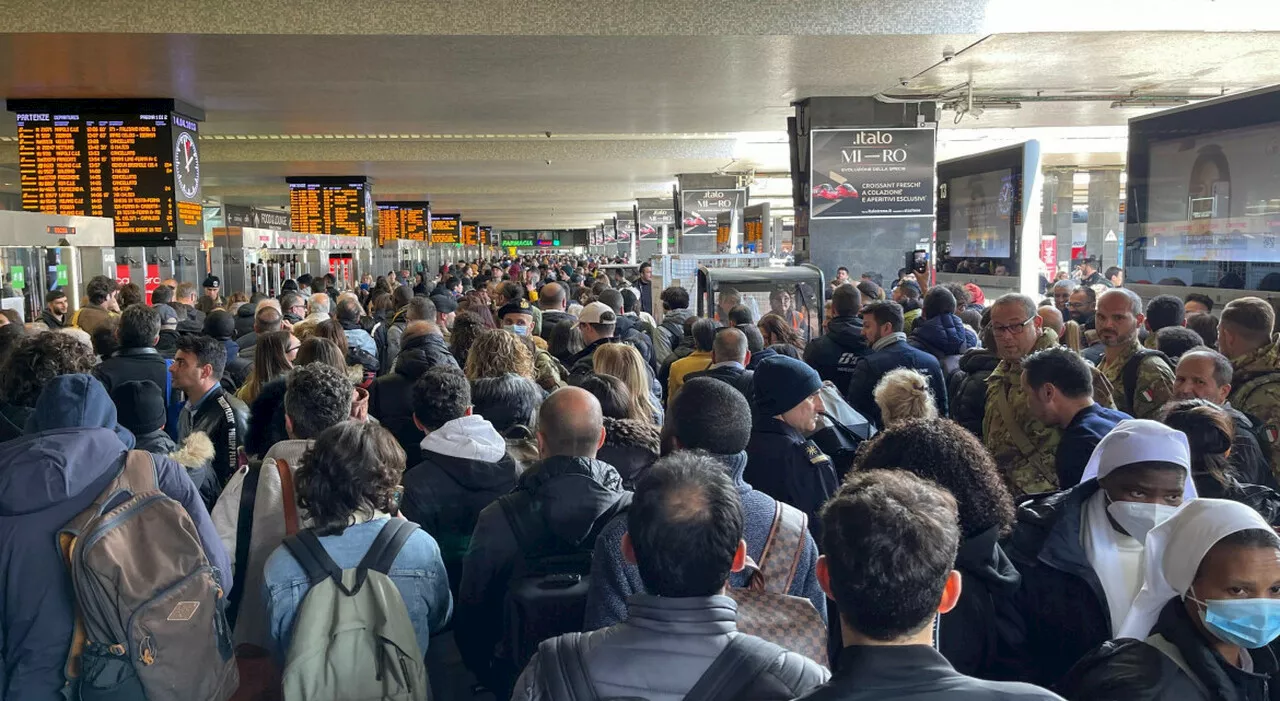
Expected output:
(630, 446)
(834, 353)
(972, 637)
(244, 319)
(266, 419)
(576, 497)
(967, 387)
(628, 331)
(1133, 670)
(391, 396)
(1060, 608)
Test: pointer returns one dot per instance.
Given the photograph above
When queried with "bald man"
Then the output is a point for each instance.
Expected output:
(560, 504)
(552, 299)
(1052, 319)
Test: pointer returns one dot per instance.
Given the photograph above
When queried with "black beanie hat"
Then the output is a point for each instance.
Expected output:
(139, 406)
(219, 325)
(781, 383)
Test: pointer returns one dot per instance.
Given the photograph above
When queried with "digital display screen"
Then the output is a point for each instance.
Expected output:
(470, 233)
(753, 230)
(487, 236)
(403, 221)
(981, 210)
(141, 170)
(534, 238)
(329, 206)
(1215, 197)
(446, 229)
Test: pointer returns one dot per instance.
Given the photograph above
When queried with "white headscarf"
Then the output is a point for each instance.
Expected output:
(1131, 441)
(1174, 551)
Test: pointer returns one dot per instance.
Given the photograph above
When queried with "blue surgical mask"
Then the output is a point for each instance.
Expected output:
(1249, 623)
(518, 330)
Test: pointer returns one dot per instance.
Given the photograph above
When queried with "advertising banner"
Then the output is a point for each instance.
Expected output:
(610, 233)
(626, 223)
(871, 173)
(699, 208)
(446, 229)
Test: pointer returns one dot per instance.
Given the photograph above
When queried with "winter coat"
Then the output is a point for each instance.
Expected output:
(391, 396)
(967, 388)
(577, 497)
(247, 343)
(237, 369)
(628, 330)
(946, 338)
(190, 319)
(871, 368)
(614, 580)
(52, 321)
(912, 673)
(630, 446)
(972, 637)
(584, 362)
(244, 319)
(1154, 383)
(834, 353)
(1256, 392)
(167, 346)
(1134, 670)
(760, 357)
(360, 339)
(268, 532)
(732, 374)
(663, 647)
(157, 442)
(784, 464)
(133, 364)
(696, 361)
(91, 317)
(550, 319)
(1248, 458)
(1086, 429)
(13, 421)
(222, 418)
(266, 418)
(669, 334)
(1060, 610)
(46, 478)
(465, 466)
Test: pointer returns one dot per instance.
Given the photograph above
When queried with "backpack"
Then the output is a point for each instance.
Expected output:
(148, 627)
(352, 638)
(547, 592)
(674, 332)
(765, 609)
(1129, 374)
(730, 675)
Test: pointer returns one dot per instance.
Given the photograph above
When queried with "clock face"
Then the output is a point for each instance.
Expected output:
(186, 165)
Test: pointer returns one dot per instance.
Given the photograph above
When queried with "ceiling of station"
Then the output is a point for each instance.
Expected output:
(462, 120)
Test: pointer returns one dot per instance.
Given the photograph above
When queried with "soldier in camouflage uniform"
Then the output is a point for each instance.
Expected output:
(1118, 318)
(1024, 449)
(1244, 336)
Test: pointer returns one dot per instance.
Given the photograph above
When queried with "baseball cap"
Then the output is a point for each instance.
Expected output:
(597, 313)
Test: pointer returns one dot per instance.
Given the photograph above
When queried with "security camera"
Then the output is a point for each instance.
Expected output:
(904, 81)
(948, 54)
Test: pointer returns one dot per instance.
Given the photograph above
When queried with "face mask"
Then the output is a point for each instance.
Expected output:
(1249, 623)
(518, 330)
(1137, 518)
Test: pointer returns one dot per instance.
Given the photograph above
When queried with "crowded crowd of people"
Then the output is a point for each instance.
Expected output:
(528, 478)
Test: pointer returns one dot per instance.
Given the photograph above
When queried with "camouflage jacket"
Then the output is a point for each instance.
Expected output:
(1155, 383)
(1255, 390)
(1025, 451)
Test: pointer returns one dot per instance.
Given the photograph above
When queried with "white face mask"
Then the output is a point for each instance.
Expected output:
(1138, 518)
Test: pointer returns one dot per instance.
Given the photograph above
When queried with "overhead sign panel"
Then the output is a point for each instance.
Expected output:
(446, 229)
(135, 161)
(700, 207)
(470, 233)
(404, 221)
(331, 206)
(871, 173)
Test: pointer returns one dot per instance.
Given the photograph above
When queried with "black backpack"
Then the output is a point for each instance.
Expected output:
(1129, 375)
(730, 675)
(547, 593)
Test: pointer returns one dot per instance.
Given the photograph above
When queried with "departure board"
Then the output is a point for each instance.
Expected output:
(446, 229)
(470, 233)
(140, 168)
(330, 206)
(408, 221)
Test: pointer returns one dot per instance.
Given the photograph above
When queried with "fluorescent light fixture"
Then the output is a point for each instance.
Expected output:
(1140, 103)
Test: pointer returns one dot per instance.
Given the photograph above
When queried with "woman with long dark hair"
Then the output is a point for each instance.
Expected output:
(1211, 434)
(776, 330)
(272, 357)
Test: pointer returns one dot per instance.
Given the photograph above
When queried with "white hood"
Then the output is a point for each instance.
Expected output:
(470, 437)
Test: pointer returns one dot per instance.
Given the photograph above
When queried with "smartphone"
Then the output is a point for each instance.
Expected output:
(918, 261)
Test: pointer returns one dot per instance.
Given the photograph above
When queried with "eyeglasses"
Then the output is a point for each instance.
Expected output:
(1010, 330)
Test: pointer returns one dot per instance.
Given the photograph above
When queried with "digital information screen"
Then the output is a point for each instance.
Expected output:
(470, 233)
(487, 236)
(981, 215)
(140, 169)
(446, 229)
(753, 230)
(331, 206)
(403, 221)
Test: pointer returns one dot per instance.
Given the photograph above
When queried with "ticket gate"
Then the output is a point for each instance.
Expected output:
(44, 252)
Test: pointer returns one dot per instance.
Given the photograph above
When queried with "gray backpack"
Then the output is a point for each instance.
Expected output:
(352, 638)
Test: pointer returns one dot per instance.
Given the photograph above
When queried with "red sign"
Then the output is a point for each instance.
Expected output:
(1049, 253)
(124, 277)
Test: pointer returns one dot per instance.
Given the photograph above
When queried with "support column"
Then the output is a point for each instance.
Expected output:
(867, 242)
(1055, 219)
(1104, 217)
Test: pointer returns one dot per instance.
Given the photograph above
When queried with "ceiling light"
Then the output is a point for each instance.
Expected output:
(1138, 102)
(1000, 105)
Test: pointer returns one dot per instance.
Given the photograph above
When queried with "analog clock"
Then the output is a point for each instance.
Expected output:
(186, 165)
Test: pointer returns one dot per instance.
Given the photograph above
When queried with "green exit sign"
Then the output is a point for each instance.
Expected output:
(556, 242)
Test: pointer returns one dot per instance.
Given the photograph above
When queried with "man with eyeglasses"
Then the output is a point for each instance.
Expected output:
(1023, 447)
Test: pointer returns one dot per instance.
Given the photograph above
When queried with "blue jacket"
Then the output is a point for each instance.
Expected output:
(418, 572)
(613, 580)
(896, 355)
(359, 338)
(73, 450)
(1079, 439)
(943, 336)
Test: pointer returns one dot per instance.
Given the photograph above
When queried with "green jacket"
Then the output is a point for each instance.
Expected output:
(1255, 390)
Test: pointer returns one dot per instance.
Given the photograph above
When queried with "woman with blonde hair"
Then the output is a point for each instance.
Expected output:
(496, 353)
(904, 394)
(1072, 335)
(623, 361)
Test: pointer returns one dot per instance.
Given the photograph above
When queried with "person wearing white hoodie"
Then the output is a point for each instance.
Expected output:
(465, 466)
(317, 396)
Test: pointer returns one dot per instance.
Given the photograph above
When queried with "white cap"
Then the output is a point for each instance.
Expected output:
(597, 313)
(1134, 441)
